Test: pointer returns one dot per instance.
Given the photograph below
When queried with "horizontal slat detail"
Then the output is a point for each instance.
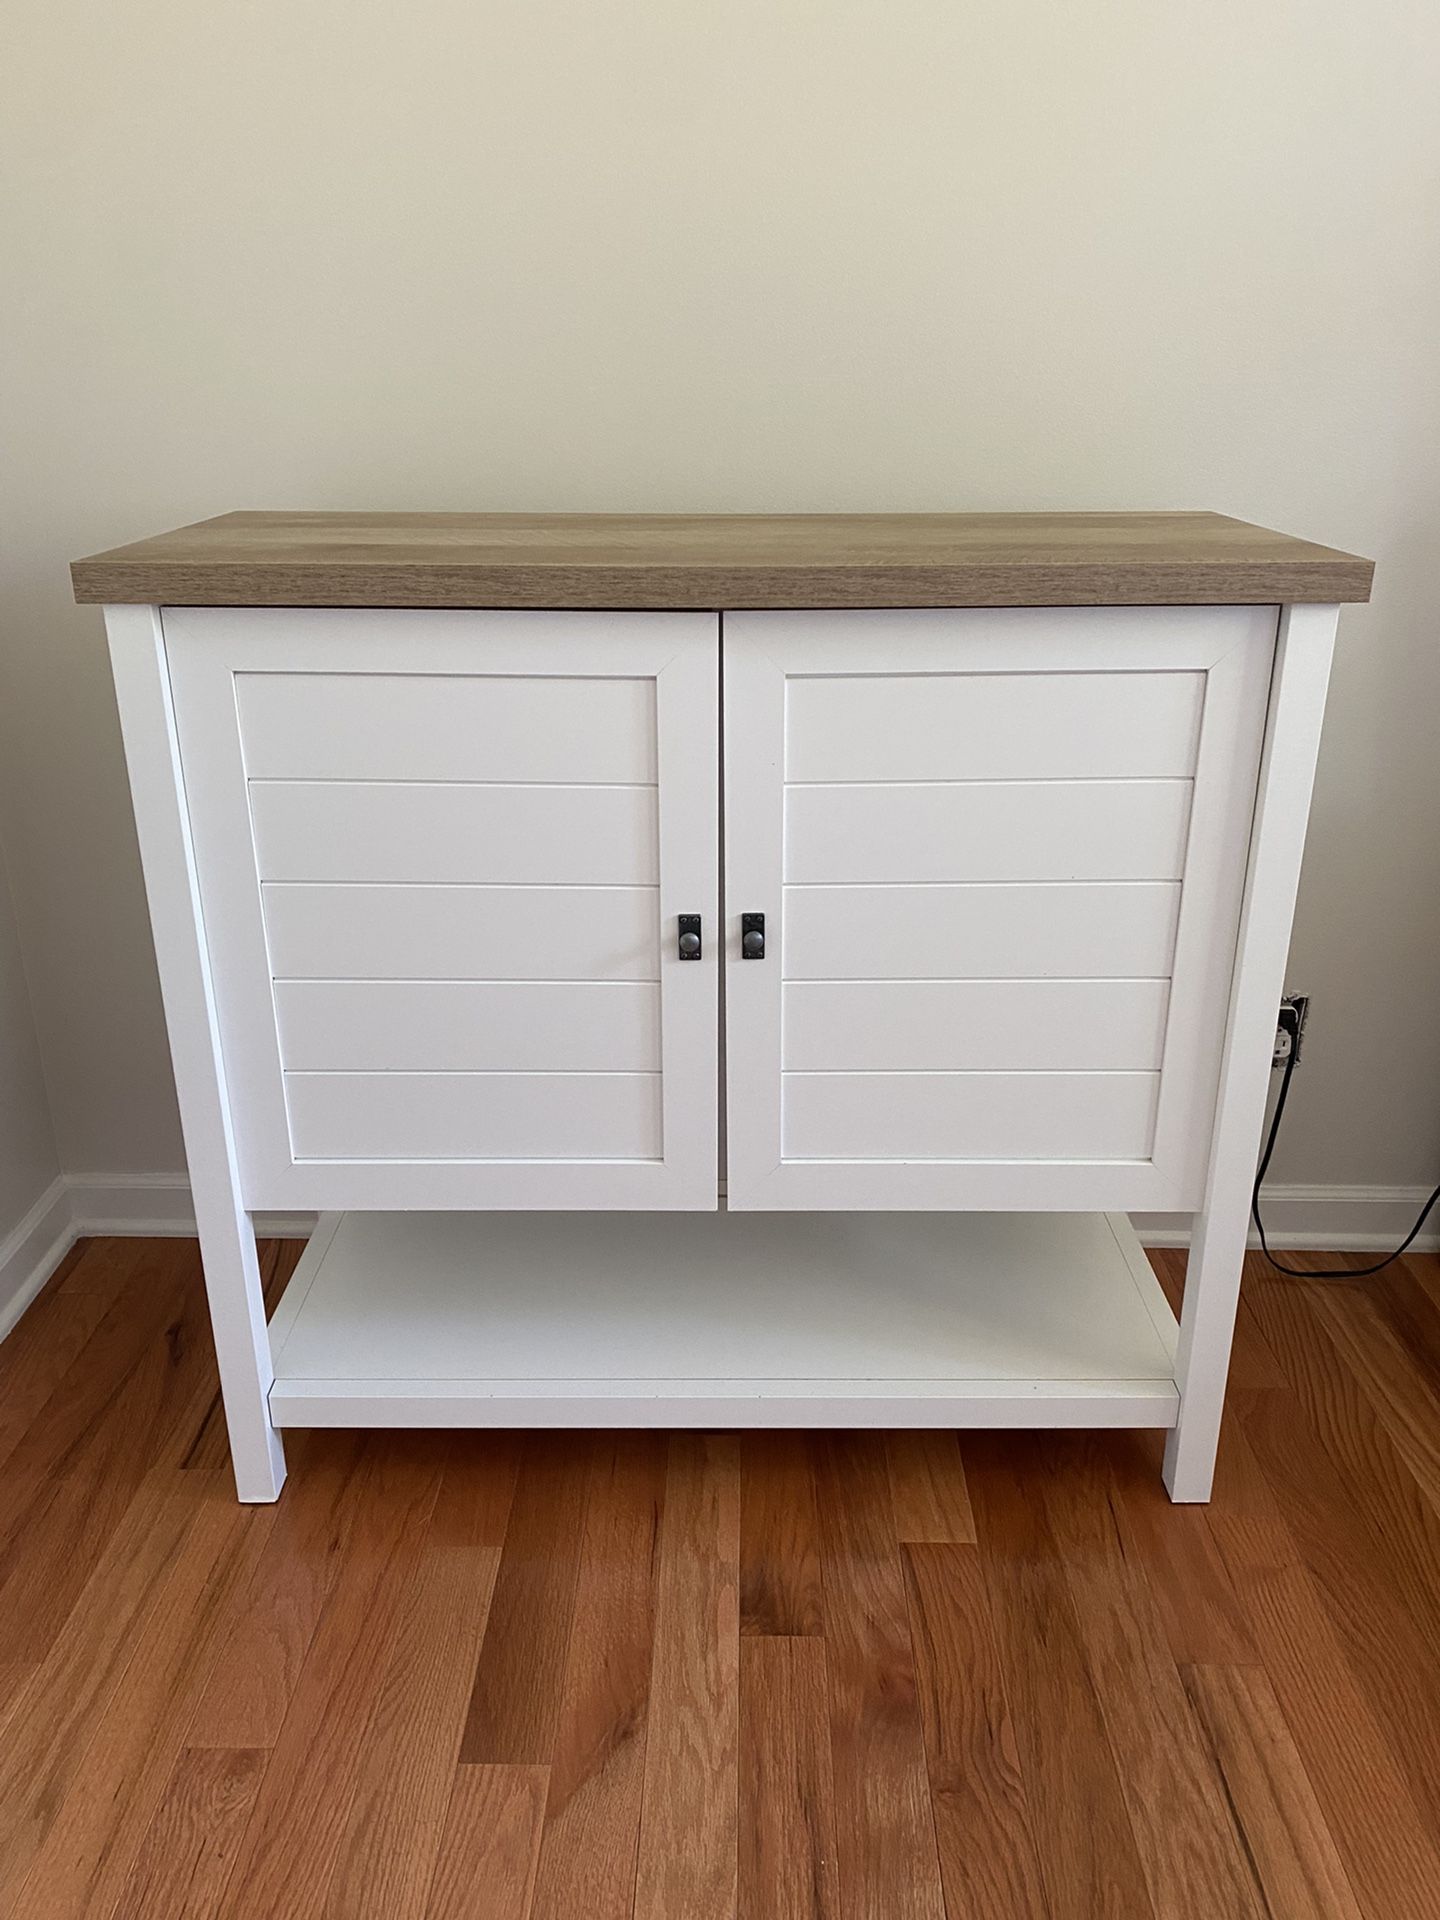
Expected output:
(988, 830)
(919, 1025)
(471, 726)
(485, 1116)
(462, 933)
(456, 1026)
(986, 726)
(968, 1116)
(1083, 931)
(399, 830)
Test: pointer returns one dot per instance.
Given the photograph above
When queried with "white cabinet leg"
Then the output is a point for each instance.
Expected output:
(1277, 841)
(242, 1348)
(227, 1242)
(1207, 1324)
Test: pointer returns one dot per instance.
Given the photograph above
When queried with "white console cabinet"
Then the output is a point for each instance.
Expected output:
(910, 895)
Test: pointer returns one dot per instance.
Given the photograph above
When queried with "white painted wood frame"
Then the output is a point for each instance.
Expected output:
(1200, 884)
(1217, 1249)
(167, 855)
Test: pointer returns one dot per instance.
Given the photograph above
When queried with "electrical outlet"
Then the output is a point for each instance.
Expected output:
(1290, 1029)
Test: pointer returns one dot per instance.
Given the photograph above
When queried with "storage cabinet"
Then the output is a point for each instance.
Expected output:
(437, 893)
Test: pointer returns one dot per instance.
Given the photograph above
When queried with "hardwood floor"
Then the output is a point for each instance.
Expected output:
(690, 1677)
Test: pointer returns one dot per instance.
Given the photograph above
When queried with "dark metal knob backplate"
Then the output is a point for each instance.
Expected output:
(688, 943)
(752, 936)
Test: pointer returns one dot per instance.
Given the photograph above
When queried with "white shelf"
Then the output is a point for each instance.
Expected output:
(746, 1319)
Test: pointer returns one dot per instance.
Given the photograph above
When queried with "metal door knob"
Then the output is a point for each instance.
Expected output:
(753, 945)
(689, 945)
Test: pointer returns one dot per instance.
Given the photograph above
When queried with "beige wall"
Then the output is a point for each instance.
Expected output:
(765, 254)
(28, 1161)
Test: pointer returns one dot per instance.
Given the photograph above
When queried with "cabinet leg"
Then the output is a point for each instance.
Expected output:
(1217, 1250)
(227, 1239)
(1202, 1363)
(242, 1351)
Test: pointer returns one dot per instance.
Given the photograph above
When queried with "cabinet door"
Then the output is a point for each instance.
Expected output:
(1000, 857)
(441, 858)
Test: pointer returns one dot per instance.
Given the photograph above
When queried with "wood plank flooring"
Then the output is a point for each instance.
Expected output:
(718, 1677)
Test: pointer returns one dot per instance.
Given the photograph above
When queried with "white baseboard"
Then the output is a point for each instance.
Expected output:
(78, 1205)
(1337, 1219)
(1365, 1219)
(30, 1253)
(131, 1203)
(1345, 1219)
(156, 1204)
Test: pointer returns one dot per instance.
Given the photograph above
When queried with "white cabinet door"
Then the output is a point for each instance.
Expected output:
(441, 858)
(1000, 856)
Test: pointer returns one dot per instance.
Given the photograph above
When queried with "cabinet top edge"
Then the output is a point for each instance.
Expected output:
(717, 561)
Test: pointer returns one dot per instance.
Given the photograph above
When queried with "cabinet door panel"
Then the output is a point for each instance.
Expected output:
(396, 721)
(910, 1026)
(475, 1116)
(461, 932)
(1000, 855)
(451, 833)
(480, 1026)
(986, 830)
(1021, 931)
(974, 1116)
(997, 726)
(441, 857)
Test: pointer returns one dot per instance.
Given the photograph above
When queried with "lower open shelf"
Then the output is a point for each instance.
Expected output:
(723, 1319)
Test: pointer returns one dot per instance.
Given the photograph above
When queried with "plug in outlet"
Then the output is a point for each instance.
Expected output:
(1290, 1029)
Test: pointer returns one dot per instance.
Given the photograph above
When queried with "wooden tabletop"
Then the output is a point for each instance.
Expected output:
(720, 560)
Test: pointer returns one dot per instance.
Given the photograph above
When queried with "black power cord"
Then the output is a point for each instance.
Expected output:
(1315, 1273)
